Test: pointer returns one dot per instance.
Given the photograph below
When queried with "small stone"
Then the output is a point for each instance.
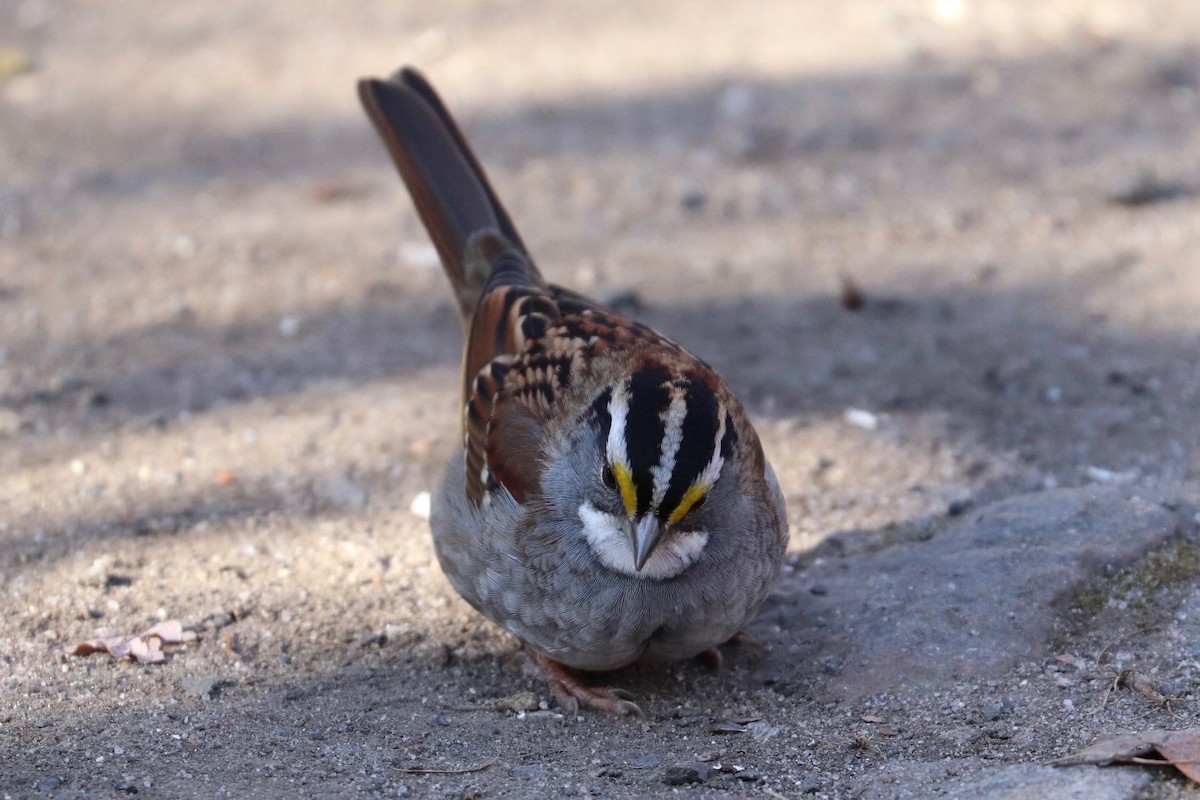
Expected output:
(421, 505)
(1101, 475)
(748, 776)
(521, 701)
(49, 783)
(809, 783)
(683, 774)
(861, 418)
(1142, 188)
(529, 771)
(200, 687)
(958, 507)
(393, 632)
(644, 762)
(762, 730)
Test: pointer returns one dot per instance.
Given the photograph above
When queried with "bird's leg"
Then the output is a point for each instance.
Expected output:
(571, 693)
(712, 657)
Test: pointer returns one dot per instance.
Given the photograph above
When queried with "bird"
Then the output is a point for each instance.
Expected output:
(612, 502)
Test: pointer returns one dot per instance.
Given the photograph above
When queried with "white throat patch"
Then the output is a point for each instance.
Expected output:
(673, 555)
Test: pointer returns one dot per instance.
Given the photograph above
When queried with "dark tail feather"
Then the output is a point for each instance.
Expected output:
(448, 187)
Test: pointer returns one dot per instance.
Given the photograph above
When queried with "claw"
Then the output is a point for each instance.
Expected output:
(570, 694)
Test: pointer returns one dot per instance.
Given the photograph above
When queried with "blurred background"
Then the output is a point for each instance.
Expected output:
(944, 249)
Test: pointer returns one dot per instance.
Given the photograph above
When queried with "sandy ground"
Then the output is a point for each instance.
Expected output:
(228, 367)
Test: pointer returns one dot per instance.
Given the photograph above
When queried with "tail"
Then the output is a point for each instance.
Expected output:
(449, 187)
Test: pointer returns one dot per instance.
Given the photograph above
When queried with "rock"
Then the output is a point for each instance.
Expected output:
(201, 686)
(49, 783)
(1142, 188)
(682, 774)
(529, 771)
(976, 598)
(809, 783)
(975, 779)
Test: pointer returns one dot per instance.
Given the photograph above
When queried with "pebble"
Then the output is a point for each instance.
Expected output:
(809, 783)
(1101, 475)
(422, 505)
(861, 418)
(686, 773)
(49, 783)
(201, 686)
(1142, 188)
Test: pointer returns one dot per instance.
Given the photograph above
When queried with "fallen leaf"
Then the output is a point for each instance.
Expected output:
(145, 648)
(170, 631)
(1181, 749)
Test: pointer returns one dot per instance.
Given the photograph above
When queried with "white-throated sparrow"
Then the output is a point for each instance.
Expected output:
(614, 502)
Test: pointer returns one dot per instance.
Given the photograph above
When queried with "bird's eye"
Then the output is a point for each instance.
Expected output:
(699, 503)
(610, 480)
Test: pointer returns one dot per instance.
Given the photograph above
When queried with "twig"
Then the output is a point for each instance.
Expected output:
(1162, 762)
(1104, 650)
(464, 771)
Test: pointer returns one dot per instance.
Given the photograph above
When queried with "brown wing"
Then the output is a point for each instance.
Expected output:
(527, 386)
(513, 310)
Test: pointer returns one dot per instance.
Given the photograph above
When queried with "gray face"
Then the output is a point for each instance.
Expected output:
(665, 437)
(646, 456)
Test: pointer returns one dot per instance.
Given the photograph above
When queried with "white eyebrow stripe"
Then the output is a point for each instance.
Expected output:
(618, 411)
(672, 420)
(713, 470)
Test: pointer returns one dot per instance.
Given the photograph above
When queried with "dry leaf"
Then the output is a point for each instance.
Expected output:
(1180, 749)
(171, 631)
(145, 648)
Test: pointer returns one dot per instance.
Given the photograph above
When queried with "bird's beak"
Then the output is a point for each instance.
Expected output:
(644, 536)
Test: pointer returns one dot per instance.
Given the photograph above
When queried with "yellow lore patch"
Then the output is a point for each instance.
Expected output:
(625, 484)
(692, 496)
